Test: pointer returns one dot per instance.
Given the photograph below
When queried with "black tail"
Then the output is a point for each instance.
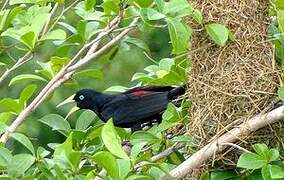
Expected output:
(178, 91)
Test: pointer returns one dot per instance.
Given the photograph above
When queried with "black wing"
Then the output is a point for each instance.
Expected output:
(129, 109)
(150, 88)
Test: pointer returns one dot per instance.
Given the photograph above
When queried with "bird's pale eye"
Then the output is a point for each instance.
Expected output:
(81, 97)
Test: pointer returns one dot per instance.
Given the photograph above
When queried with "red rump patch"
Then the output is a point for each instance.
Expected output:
(140, 92)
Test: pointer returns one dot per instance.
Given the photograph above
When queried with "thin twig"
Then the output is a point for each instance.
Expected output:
(45, 29)
(161, 155)
(21, 61)
(4, 5)
(103, 49)
(235, 146)
(62, 13)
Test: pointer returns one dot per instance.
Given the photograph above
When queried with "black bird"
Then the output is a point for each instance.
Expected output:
(131, 109)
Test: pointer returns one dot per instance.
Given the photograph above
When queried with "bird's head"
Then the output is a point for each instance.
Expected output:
(86, 99)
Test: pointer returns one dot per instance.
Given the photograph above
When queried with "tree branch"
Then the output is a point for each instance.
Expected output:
(219, 144)
(21, 61)
(64, 74)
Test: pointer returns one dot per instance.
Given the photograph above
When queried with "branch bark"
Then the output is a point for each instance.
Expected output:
(219, 144)
(66, 72)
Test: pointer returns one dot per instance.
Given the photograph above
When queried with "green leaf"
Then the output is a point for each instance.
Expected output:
(5, 116)
(265, 173)
(3, 18)
(273, 154)
(24, 140)
(262, 150)
(175, 6)
(179, 35)
(153, 14)
(5, 156)
(90, 4)
(251, 161)
(12, 2)
(29, 39)
(57, 34)
(143, 3)
(59, 173)
(2, 64)
(3, 127)
(116, 89)
(279, 4)
(197, 16)
(85, 119)
(280, 93)
(8, 104)
(143, 136)
(276, 172)
(19, 164)
(57, 63)
(41, 152)
(57, 123)
(136, 149)
(222, 175)
(27, 93)
(25, 77)
(66, 150)
(92, 73)
(218, 33)
(68, 27)
(280, 18)
(124, 168)
(108, 162)
(140, 177)
(112, 140)
(137, 42)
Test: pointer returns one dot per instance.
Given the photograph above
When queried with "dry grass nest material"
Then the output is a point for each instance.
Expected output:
(229, 85)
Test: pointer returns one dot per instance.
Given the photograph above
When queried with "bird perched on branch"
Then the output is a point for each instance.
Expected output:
(131, 109)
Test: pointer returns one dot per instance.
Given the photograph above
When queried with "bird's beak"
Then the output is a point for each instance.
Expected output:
(66, 101)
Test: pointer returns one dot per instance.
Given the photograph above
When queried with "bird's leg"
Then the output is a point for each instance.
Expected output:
(136, 127)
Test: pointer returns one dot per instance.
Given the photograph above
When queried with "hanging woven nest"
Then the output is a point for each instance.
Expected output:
(230, 84)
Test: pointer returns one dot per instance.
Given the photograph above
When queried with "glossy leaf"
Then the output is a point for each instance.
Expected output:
(19, 164)
(251, 161)
(276, 172)
(8, 104)
(90, 4)
(112, 140)
(281, 93)
(153, 14)
(27, 93)
(137, 42)
(179, 35)
(66, 150)
(218, 33)
(57, 123)
(92, 73)
(25, 77)
(143, 136)
(5, 156)
(57, 34)
(85, 119)
(116, 89)
(24, 140)
(108, 162)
